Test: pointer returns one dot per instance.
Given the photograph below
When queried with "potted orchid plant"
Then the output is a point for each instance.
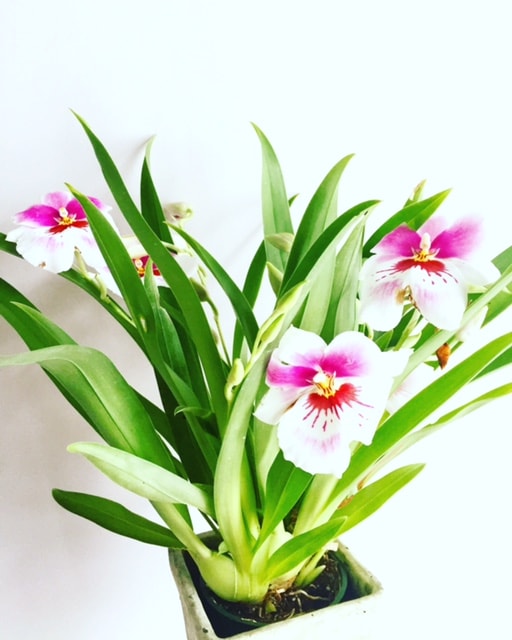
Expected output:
(279, 433)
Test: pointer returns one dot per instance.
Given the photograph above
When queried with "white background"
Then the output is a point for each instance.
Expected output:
(417, 90)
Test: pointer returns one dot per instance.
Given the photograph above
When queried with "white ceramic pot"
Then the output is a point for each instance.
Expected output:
(353, 619)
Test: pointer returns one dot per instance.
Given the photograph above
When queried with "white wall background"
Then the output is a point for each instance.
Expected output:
(417, 90)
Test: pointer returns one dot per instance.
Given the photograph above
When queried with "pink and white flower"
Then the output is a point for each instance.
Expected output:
(141, 260)
(432, 268)
(49, 233)
(324, 397)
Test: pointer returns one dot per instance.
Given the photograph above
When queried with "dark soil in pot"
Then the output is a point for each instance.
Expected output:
(230, 618)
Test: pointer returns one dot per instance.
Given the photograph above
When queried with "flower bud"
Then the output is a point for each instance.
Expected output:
(235, 377)
(282, 241)
(275, 277)
(177, 211)
(201, 290)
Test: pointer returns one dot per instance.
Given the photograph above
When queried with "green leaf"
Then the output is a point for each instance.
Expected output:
(320, 212)
(35, 329)
(183, 291)
(142, 477)
(104, 396)
(84, 283)
(8, 247)
(114, 517)
(150, 205)
(413, 215)
(504, 259)
(250, 290)
(120, 264)
(416, 436)
(276, 210)
(319, 298)
(239, 303)
(285, 485)
(371, 498)
(417, 410)
(294, 552)
(312, 260)
(342, 313)
(229, 490)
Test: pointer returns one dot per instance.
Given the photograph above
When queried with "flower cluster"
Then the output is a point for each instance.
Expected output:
(266, 432)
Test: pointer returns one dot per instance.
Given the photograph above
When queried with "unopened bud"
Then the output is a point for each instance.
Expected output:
(177, 211)
(291, 298)
(275, 276)
(416, 193)
(282, 241)
(270, 329)
(201, 290)
(235, 377)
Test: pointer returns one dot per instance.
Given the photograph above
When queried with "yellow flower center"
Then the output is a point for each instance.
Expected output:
(425, 254)
(65, 219)
(325, 384)
(139, 265)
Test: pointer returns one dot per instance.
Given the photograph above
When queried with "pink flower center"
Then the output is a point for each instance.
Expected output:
(423, 257)
(67, 220)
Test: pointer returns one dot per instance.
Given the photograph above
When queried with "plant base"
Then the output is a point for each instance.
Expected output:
(350, 620)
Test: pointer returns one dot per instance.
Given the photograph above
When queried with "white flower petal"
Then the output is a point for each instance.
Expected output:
(275, 402)
(381, 304)
(476, 272)
(440, 297)
(48, 251)
(300, 347)
(415, 382)
(313, 449)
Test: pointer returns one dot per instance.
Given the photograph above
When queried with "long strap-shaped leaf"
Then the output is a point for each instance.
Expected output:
(103, 395)
(142, 477)
(318, 215)
(183, 290)
(241, 306)
(418, 409)
(276, 209)
(150, 205)
(117, 518)
(312, 260)
(115, 310)
(372, 497)
(294, 552)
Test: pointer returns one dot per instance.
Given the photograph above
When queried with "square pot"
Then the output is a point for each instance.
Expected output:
(352, 619)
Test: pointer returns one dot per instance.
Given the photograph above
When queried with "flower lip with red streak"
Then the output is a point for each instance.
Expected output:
(432, 268)
(324, 397)
(49, 233)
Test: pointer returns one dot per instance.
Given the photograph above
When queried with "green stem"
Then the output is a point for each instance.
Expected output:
(229, 490)
(413, 323)
(181, 529)
(312, 511)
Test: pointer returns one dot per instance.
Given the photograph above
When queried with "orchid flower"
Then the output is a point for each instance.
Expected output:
(49, 233)
(140, 261)
(324, 397)
(432, 268)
